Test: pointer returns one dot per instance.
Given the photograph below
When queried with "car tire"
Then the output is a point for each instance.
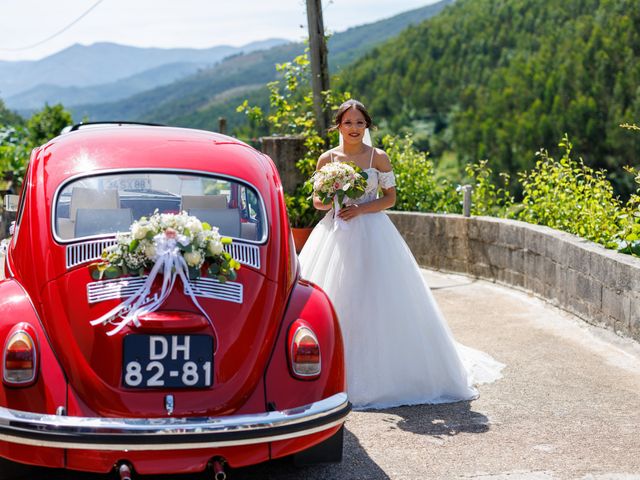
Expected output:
(329, 451)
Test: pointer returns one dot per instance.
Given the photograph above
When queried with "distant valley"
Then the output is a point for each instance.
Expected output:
(86, 74)
(198, 100)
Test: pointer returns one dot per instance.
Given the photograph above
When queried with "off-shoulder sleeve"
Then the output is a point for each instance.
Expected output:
(387, 179)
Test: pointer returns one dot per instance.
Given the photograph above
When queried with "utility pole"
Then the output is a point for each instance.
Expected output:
(319, 63)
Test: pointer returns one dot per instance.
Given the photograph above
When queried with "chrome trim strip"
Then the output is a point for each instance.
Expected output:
(5, 260)
(140, 434)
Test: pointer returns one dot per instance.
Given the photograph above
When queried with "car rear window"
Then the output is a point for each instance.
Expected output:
(105, 204)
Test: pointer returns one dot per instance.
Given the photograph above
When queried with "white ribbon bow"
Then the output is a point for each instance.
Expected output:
(337, 221)
(170, 262)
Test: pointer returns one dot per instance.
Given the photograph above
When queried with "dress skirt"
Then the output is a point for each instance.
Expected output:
(399, 349)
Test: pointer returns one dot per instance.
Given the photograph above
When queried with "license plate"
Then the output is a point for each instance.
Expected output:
(167, 361)
(131, 184)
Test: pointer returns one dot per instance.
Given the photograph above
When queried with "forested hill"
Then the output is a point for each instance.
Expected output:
(198, 100)
(500, 79)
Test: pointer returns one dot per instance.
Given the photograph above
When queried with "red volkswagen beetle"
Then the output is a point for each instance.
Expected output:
(218, 373)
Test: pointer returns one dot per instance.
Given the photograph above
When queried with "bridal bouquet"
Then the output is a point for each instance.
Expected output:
(337, 180)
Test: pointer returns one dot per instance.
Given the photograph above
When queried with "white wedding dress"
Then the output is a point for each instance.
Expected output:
(398, 347)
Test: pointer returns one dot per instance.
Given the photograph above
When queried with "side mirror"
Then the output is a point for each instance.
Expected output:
(11, 203)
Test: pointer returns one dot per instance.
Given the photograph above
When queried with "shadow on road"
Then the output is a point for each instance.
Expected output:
(440, 420)
(356, 464)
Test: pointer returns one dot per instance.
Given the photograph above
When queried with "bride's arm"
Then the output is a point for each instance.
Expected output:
(322, 161)
(382, 163)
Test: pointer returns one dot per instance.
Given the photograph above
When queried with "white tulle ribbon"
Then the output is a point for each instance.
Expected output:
(337, 221)
(169, 262)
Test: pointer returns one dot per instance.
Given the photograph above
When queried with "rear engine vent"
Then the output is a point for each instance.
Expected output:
(80, 253)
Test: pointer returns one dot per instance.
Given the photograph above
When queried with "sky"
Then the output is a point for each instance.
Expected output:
(30, 29)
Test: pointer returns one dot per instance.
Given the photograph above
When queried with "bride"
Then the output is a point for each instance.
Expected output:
(398, 347)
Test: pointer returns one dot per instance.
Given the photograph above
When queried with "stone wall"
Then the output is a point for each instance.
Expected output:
(285, 152)
(601, 286)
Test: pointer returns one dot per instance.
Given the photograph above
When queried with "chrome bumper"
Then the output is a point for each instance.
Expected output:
(122, 434)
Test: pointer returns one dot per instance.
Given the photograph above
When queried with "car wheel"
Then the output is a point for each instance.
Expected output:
(329, 451)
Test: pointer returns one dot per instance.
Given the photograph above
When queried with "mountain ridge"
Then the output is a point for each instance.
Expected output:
(499, 80)
(106, 62)
(190, 101)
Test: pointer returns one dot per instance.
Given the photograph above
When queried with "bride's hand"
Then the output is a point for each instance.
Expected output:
(349, 212)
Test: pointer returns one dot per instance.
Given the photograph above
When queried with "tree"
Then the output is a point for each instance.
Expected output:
(48, 123)
(18, 140)
(7, 117)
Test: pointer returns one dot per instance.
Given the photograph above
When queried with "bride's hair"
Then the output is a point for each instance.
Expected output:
(337, 119)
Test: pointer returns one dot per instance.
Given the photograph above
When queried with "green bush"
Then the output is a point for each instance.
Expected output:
(627, 239)
(418, 189)
(17, 141)
(486, 197)
(568, 195)
(15, 149)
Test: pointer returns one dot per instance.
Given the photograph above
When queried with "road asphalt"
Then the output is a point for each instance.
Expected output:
(567, 406)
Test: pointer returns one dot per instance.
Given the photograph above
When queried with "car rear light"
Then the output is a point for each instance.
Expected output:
(20, 359)
(305, 352)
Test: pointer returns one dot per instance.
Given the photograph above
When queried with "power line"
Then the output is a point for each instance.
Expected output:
(64, 29)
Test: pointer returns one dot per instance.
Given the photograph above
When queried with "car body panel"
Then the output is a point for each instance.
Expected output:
(80, 379)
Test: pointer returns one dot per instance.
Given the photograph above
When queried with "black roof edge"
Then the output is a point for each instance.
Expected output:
(78, 126)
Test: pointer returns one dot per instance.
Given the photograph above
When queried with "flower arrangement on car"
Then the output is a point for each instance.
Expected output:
(162, 234)
(174, 245)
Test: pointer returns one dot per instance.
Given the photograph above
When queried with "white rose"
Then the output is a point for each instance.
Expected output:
(215, 247)
(150, 250)
(194, 225)
(193, 259)
(139, 231)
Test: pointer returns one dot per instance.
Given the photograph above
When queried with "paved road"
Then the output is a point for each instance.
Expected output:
(567, 407)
